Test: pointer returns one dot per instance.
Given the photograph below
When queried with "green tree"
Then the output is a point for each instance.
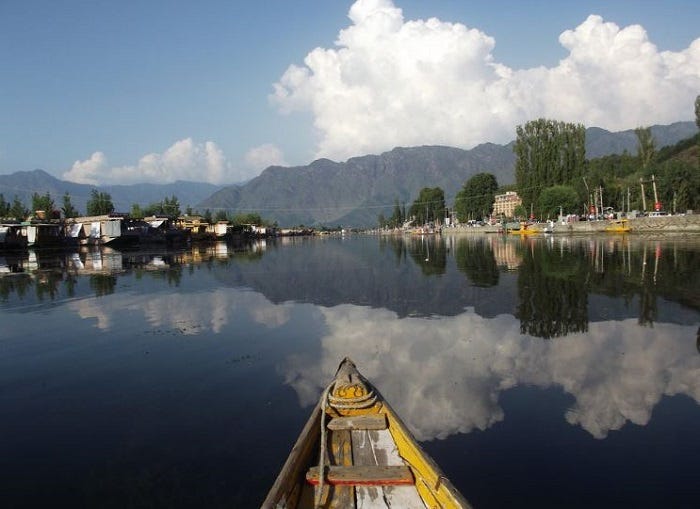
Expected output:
(68, 209)
(556, 198)
(43, 202)
(171, 206)
(548, 153)
(136, 211)
(475, 199)
(208, 217)
(697, 123)
(4, 207)
(397, 217)
(18, 210)
(646, 148)
(100, 203)
(520, 212)
(679, 185)
(429, 206)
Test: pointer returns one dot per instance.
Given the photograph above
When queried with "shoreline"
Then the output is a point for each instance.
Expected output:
(689, 224)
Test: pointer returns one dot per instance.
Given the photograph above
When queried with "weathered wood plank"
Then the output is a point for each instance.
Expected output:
(373, 475)
(357, 422)
(388, 497)
(378, 447)
(341, 451)
(374, 447)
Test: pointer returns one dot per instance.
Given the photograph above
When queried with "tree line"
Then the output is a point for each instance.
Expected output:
(100, 203)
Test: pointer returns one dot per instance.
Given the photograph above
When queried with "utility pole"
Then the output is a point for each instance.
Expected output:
(656, 198)
(644, 200)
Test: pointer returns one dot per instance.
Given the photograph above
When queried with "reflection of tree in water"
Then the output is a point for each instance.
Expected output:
(430, 253)
(396, 244)
(18, 284)
(647, 271)
(47, 284)
(475, 258)
(70, 282)
(103, 284)
(552, 291)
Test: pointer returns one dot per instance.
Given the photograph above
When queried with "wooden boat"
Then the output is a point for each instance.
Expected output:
(620, 226)
(367, 455)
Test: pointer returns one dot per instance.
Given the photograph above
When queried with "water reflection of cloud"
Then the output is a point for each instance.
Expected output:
(457, 367)
(189, 313)
(92, 308)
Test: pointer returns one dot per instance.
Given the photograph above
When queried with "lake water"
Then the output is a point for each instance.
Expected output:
(548, 372)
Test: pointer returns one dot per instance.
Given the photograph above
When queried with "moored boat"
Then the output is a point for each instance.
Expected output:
(620, 226)
(366, 454)
(525, 229)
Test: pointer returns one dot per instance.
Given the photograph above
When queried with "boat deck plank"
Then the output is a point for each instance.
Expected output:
(341, 447)
(356, 422)
(363, 475)
(372, 447)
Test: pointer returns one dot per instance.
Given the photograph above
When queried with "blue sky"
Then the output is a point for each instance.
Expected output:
(103, 92)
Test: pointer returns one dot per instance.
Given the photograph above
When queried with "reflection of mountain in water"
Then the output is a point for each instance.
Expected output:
(555, 286)
(415, 276)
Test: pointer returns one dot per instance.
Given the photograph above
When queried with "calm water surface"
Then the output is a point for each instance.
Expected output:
(551, 372)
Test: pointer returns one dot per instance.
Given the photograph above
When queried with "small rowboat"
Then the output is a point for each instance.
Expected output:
(354, 451)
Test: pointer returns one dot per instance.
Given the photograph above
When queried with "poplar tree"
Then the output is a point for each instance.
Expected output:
(548, 153)
(4, 207)
(43, 202)
(697, 122)
(68, 209)
(99, 204)
(646, 147)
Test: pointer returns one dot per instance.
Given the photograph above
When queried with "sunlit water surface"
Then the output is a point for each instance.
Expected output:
(548, 372)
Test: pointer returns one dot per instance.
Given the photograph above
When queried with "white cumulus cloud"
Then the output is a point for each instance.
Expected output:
(183, 160)
(259, 158)
(392, 82)
(89, 171)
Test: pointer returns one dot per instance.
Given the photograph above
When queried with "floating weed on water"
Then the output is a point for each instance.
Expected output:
(248, 359)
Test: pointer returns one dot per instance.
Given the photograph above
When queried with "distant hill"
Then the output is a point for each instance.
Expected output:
(600, 142)
(355, 192)
(24, 184)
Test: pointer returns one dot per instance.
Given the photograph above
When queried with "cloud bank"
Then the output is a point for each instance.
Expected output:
(183, 160)
(395, 82)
